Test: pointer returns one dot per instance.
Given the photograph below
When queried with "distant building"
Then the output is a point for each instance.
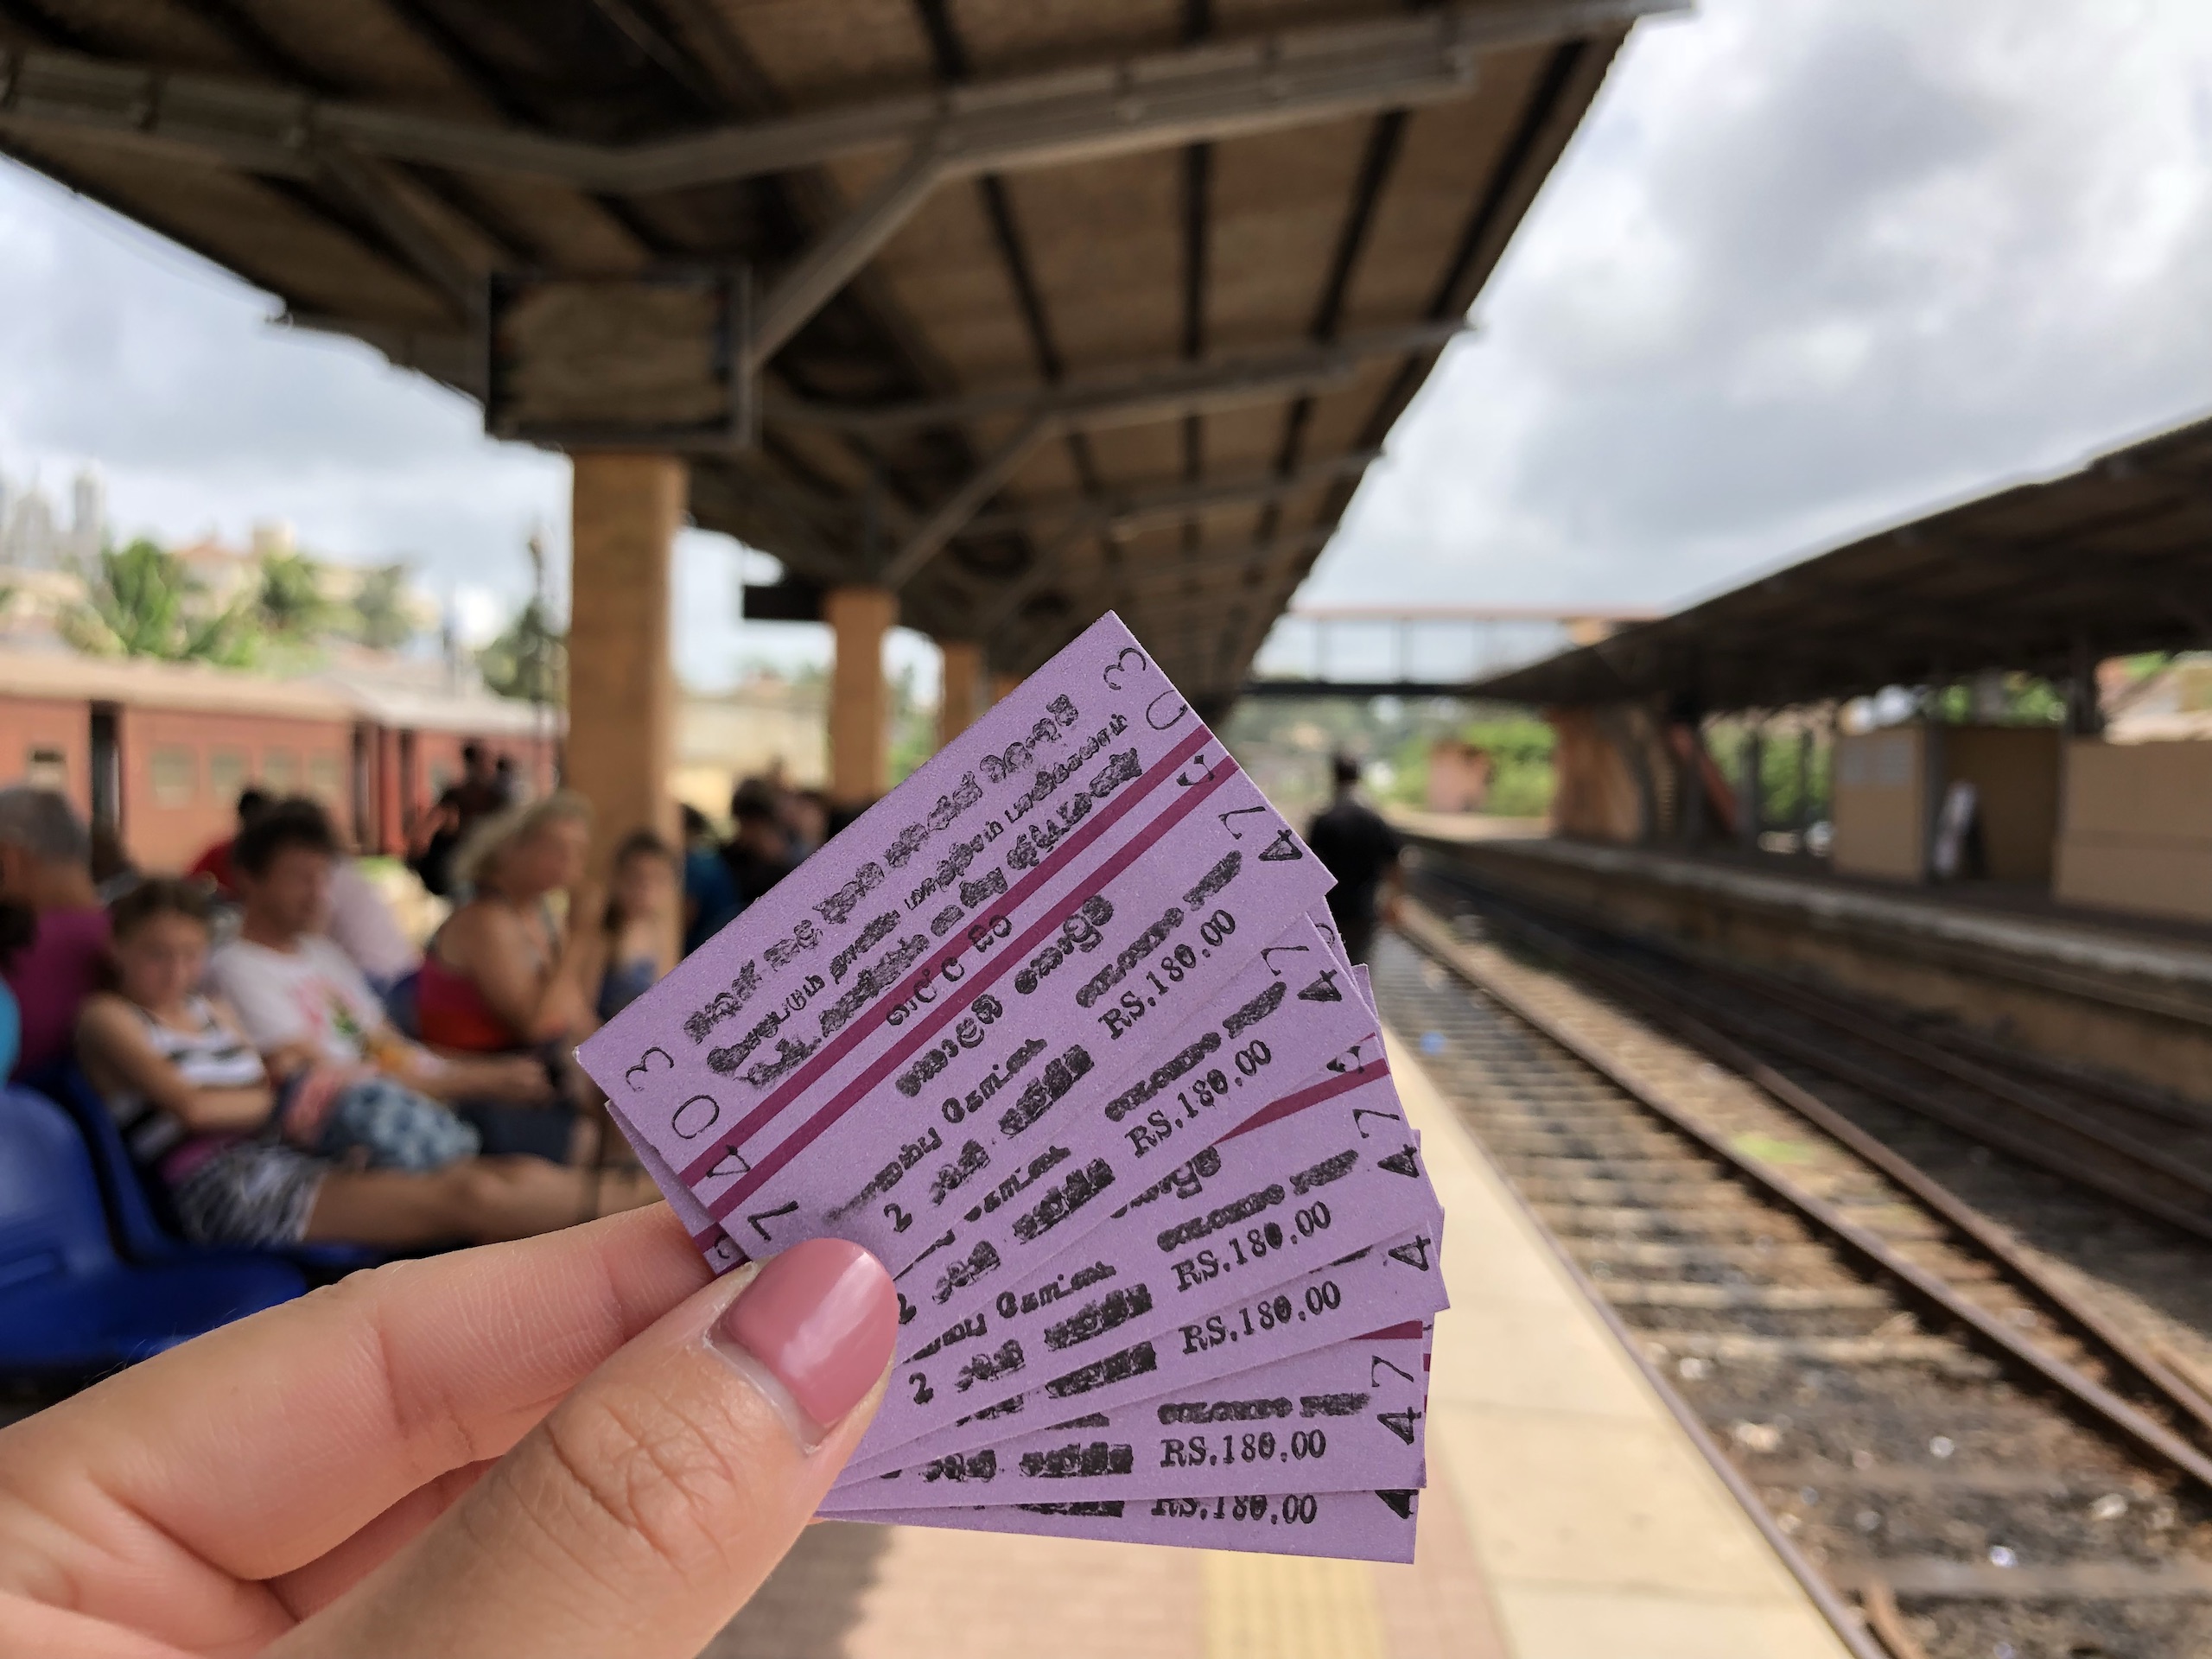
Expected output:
(1459, 777)
(87, 516)
(222, 573)
(768, 726)
(32, 534)
(30, 542)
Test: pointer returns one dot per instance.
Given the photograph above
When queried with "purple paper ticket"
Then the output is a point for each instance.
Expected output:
(1386, 1284)
(1349, 1526)
(1143, 942)
(953, 1191)
(1044, 845)
(1198, 1102)
(1350, 1417)
(1326, 1169)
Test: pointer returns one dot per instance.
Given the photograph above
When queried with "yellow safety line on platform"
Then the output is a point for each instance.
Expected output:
(1284, 1607)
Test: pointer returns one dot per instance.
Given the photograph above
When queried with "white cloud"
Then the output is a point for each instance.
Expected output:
(1807, 268)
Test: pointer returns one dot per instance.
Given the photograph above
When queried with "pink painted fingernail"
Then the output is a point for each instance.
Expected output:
(822, 1319)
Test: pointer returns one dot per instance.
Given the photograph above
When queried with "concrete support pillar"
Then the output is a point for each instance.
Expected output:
(860, 699)
(625, 512)
(961, 697)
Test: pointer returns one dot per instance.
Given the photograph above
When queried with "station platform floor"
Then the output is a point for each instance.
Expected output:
(1567, 1517)
(1998, 920)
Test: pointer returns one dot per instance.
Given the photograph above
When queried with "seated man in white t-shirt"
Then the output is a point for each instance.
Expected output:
(303, 999)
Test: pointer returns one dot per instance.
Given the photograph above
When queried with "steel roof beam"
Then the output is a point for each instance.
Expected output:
(929, 537)
(1186, 389)
(1094, 585)
(1253, 561)
(1173, 389)
(1207, 91)
(1120, 512)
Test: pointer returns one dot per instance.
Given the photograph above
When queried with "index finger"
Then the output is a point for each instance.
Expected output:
(263, 1444)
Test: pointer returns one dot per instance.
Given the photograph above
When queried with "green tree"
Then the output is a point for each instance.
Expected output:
(141, 601)
(529, 660)
(380, 619)
(289, 599)
(914, 729)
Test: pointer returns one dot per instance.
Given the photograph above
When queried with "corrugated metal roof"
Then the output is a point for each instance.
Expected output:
(1024, 254)
(2112, 558)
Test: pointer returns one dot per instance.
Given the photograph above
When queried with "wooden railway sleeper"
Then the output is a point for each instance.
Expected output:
(1429, 934)
(2149, 1365)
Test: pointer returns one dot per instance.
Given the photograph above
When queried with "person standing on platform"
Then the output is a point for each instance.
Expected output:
(1362, 851)
(758, 851)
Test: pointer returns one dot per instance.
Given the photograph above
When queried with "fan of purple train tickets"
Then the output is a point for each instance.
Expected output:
(1059, 1030)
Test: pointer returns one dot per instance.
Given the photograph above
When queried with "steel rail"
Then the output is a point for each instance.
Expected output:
(1823, 1595)
(1430, 936)
(2148, 1158)
(2151, 1367)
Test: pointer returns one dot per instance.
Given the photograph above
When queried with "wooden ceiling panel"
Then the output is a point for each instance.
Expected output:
(1013, 36)
(943, 271)
(558, 225)
(177, 37)
(366, 48)
(816, 52)
(1279, 207)
(1105, 242)
(1129, 454)
(1403, 262)
(1238, 442)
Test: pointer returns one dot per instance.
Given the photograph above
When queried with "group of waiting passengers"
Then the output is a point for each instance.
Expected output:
(308, 1077)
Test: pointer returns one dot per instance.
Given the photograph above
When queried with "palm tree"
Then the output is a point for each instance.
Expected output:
(139, 601)
(529, 660)
(290, 598)
(381, 620)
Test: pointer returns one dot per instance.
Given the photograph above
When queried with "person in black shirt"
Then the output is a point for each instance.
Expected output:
(758, 853)
(1360, 850)
(485, 790)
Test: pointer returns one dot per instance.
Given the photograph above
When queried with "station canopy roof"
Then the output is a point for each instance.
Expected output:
(2112, 558)
(1055, 307)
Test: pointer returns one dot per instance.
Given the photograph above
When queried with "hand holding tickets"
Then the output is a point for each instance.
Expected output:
(576, 1445)
(1058, 1030)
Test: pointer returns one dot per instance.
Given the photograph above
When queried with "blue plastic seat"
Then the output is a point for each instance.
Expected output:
(68, 1305)
(140, 1234)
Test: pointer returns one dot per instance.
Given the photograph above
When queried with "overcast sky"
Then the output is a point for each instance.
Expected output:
(1811, 265)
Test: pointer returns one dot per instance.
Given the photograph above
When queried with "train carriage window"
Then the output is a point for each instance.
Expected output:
(280, 769)
(227, 771)
(325, 779)
(45, 767)
(173, 770)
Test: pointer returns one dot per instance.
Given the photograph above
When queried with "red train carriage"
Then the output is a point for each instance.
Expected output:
(159, 751)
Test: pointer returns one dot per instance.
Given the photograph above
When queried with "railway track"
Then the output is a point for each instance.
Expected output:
(1965, 1442)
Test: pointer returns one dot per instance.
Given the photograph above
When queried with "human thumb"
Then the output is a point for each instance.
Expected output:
(646, 1509)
